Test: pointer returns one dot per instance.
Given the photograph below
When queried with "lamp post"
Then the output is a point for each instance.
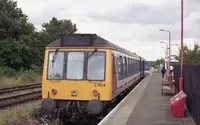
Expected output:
(181, 57)
(166, 56)
(166, 52)
(169, 49)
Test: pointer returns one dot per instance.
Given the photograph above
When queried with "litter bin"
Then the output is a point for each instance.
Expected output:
(177, 104)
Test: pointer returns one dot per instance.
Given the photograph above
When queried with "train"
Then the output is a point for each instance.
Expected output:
(147, 67)
(82, 73)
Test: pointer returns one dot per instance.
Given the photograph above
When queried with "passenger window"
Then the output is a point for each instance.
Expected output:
(75, 64)
(120, 67)
(55, 65)
(124, 68)
(129, 66)
(96, 66)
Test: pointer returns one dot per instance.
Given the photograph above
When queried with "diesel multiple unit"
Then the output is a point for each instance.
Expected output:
(83, 73)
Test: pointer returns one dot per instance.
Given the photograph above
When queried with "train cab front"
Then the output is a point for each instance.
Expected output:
(76, 81)
(75, 109)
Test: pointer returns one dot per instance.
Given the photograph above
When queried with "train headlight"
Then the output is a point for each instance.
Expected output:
(53, 91)
(95, 93)
(73, 93)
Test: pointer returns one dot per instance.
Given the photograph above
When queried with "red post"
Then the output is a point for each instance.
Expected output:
(181, 56)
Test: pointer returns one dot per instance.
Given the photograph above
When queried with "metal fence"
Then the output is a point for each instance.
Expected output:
(191, 76)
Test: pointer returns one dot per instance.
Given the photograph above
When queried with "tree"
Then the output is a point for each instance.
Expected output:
(13, 23)
(191, 56)
(55, 28)
(153, 64)
(157, 62)
(17, 54)
(20, 45)
(16, 37)
(52, 31)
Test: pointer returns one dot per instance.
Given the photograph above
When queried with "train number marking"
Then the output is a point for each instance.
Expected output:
(99, 85)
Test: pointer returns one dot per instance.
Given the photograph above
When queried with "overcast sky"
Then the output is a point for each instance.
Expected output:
(132, 24)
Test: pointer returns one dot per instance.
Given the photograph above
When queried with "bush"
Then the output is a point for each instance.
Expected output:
(36, 69)
(10, 77)
(29, 75)
(6, 71)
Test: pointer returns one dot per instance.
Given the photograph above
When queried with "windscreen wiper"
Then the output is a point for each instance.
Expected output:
(92, 53)
(54, 57)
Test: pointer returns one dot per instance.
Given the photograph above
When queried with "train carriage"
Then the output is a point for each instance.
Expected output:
(83, 73)
(147, 67)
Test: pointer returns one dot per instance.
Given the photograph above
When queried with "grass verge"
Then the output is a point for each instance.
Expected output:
(17, 81)
(15, 115)
(10, 77)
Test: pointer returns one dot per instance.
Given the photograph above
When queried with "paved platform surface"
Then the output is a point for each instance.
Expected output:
(154, 109)
(146, 106)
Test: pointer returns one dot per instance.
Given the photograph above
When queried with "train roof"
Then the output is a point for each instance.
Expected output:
(87, 40)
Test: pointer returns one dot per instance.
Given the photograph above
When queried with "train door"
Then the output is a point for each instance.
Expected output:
(143, 67)
(114, 74)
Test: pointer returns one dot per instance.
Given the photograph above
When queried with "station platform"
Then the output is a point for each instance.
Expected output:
(145, 105)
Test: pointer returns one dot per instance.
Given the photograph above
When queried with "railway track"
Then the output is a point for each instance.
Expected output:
(19, 88)
(21, 95)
